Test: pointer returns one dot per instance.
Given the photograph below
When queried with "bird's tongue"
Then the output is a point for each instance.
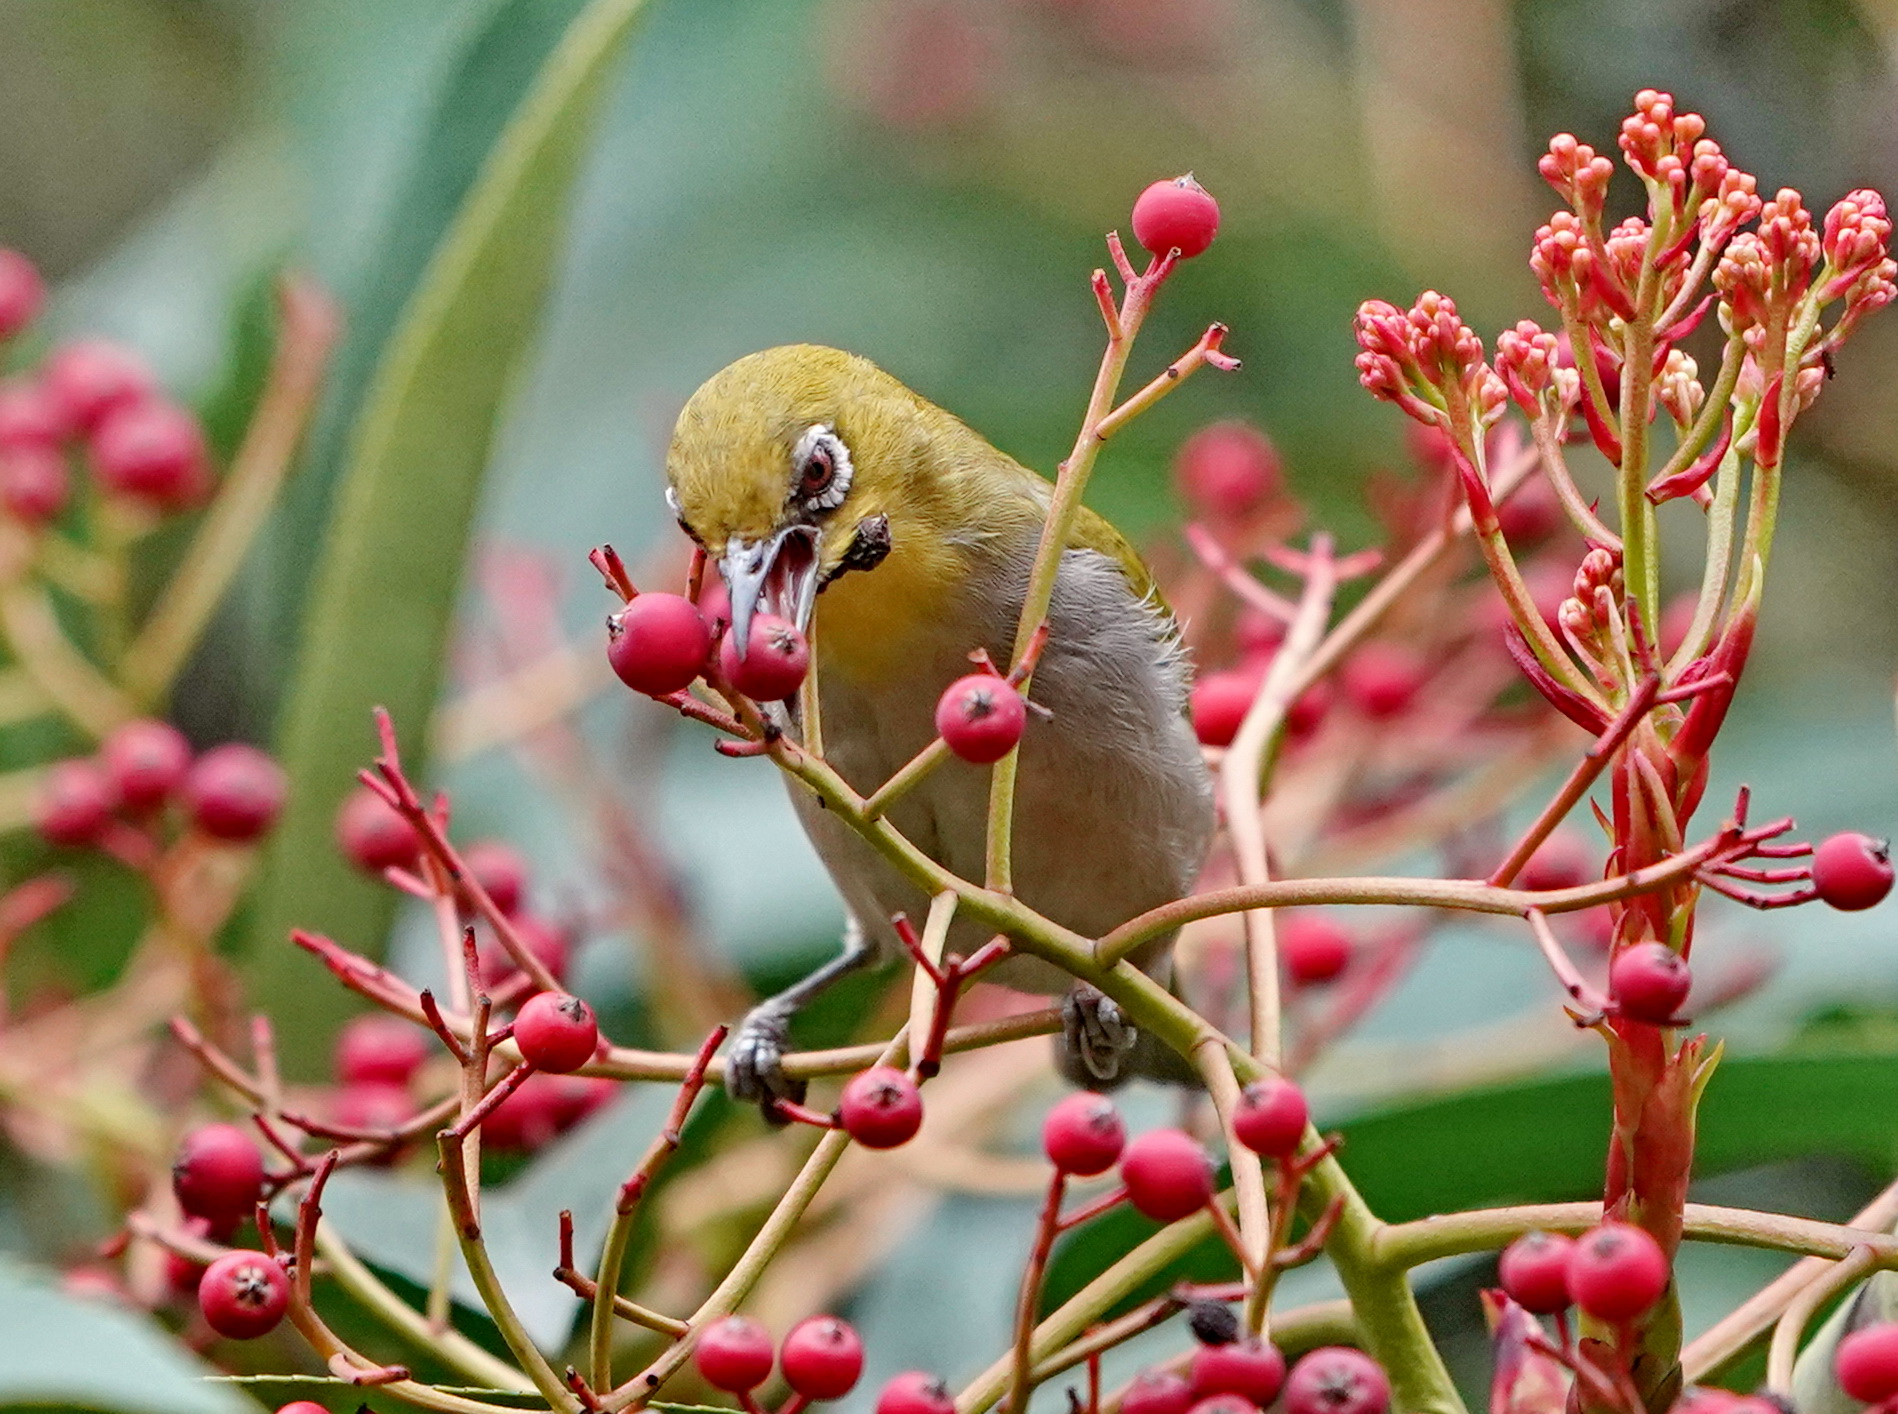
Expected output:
(790, 586)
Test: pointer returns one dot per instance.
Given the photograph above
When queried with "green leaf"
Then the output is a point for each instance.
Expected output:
(379, 615)
(63, 1351)
(1815, 1387)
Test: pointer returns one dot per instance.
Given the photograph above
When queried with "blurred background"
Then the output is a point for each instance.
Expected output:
(927, 182)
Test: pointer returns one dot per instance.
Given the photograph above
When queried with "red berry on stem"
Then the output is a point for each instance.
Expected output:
(379, 1047)
(1335, 1379)
(90, 377)
(1168, 1174)
(234, 792)
(775, 662)
(1177, 214)
(1616, 1272)
(374, 835)
(734, 1354)
(146, 760)
(500, 871)
(1649, 981)
(1083, 1134)
(34, 483)
(218, 1175)
(1315, 947)
(75, 803)
(1867, 1363)
(1251, 1368)
(1852, 871)
(1534, 1271)
(915, 1392)
(1157, 1392)
(822, 1358)
(1220, 703)
(556, 1032)
(1271, 1117)
(540, 1109)
(153, 451)
(658, 643)
(881, 1108)
(22, 293)
(301, 1406)
(243, 1295)
(981, 717)
(1227, 471)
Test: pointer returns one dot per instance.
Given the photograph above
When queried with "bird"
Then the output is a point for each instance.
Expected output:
(826, 491)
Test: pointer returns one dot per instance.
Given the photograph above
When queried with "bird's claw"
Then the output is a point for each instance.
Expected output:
(1096, 1036)
(754, 1067)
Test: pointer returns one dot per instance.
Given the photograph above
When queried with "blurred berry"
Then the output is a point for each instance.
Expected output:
(1534, 1271)
(372, 1105)
(30, 416)
(234, 792)
(1562, 861)
(218, 1175)
(1168, 1174)
(1314, 946)
(1866, 1363)
(379, 1047)
(1227, 471)
(1649, 981)
(75, 803)
(90, 377)
(373, 835)
(1383, 678)
(1220, 703)
(145, 760)
(153, 451)
(499, 870)
(543, 940)
(22, 293)
(34, 483)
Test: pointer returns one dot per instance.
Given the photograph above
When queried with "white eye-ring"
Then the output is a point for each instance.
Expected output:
(820, 466)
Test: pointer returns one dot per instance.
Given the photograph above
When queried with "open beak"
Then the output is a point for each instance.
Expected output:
(777, 575)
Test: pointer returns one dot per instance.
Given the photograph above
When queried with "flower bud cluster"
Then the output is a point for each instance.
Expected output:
(1431, 364)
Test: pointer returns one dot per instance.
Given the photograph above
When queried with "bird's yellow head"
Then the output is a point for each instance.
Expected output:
(799, 465)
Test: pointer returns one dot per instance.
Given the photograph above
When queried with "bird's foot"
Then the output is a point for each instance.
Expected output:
(754, 1066)
(1096, 1038)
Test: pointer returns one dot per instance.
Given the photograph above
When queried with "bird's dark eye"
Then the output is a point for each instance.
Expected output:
(821, 469)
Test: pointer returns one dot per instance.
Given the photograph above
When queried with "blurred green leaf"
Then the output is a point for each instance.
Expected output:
(1815, 1387)
(62, 1351)
(378, 619)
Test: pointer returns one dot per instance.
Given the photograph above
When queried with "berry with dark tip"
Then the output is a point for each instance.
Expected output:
(734, 1354)
(1212, 1322)
(1866, 1363)
(556, 1032)
(1649, 981)
(1271, 1117)
(151, 450)
(822, 1358)
(22, 292)
(981, 717)
(218, 1175)
(1335, 1379)
(90, 377)
(1157, 1392)
(775, 662)
(377, 1047)
(234, 792)
(146, 760)
(881, 1108)
(1176, 214)
(1315, 948)
(1534, 1271)
(243, 1295)
(1083, 1134)
(915, 1392)
(1251, 1368)
(1168, 1174)
(1227, 471)
(34, 483)
(75, 803)
(373, 835)
(658, 643)
(500, 871)
(1616, 1272)
(1852, 871)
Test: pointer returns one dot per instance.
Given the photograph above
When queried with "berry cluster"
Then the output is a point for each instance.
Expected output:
(821, 1358)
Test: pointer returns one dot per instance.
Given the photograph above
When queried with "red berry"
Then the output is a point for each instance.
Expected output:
(1083, 1134)
(30, 416)
(1867, 1363)
(379, 1047)
(75, 803)
(372, 1104)
(556, 1032)
(153, 451)
(1251, 1368)
(500, 871)
(1852, 871)
(775, 662)
(302, 1406)
(1649, 981)
(1534, 1271)
(1227, 471)
(577, 1096)
(22, 293)
(536, 1112)
(1156, 1392)
(981, 717)
(1562, 861)
(182, 1273)
(543, 940)
(881, 1108)
(1224, 1404)
(658, 643)
(1307, 712)
(243, 1295)
(1168, 1174)
(1382, 679)
(374, 835)
(218, 1175)
(90, 377)
(1220, 703)
(821, 1358)
(1315, 947)
(234, 792)
(1178, 214)
(1616, 1272)
(1335, 1379)
(734, 1354)
(1532, 513)
(146, 760)
(34, 483)
(1271, 1117)
(915, 1392)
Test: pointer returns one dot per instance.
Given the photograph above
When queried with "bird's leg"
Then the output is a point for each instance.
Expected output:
(1100, 1049)
(754, 1068)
